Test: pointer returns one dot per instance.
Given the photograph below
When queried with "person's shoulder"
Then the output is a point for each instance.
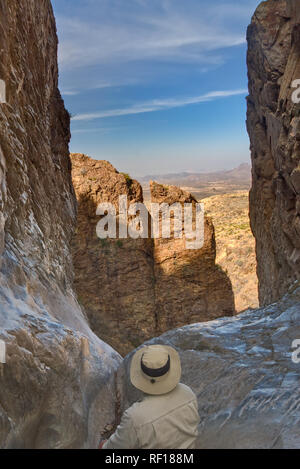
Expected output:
(138, 412)
(134, 410)
(186, 391)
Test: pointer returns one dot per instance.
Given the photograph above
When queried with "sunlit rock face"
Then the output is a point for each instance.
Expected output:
(135, 289)
(114, 278)
(274, 127)
(244, 376)
(56, 385)
(189, 286)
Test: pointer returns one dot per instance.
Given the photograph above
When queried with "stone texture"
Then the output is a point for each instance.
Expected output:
(114, 278)
(189, 286)
(134, 289)
(273, 121)
(241, 369)
(56, 387)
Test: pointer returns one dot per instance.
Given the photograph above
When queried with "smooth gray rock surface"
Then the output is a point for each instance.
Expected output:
(242, 372)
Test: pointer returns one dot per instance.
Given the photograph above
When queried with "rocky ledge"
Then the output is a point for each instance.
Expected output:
(244, 376)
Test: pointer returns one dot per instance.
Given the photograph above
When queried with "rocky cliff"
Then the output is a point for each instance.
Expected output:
(56, 387)
(189, 286)
(114, 277)
(134, 289)
(274, 127)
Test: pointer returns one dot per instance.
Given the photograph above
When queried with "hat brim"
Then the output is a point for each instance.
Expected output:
(163, 384)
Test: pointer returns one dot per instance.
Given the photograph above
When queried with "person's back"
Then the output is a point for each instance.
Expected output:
(167, 420)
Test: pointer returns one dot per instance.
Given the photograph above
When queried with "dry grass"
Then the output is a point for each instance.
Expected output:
(235, 245)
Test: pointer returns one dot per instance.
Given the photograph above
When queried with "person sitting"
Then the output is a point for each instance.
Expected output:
(167, 417)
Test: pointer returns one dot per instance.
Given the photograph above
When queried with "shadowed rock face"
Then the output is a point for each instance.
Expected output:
(241, 369)
(55, 389)
(274, 127)
(114, 278)
(134, 289)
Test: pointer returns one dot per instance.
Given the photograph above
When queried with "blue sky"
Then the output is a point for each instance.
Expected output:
(156, 86)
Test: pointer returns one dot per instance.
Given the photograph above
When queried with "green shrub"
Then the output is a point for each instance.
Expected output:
(128, 179)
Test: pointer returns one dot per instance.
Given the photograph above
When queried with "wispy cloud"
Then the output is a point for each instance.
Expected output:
(70, 92)
(158, 105)
(99, 130)
(96, 86)
(141, 31)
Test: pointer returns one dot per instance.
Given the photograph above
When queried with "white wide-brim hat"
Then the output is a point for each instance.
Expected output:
(155, 369)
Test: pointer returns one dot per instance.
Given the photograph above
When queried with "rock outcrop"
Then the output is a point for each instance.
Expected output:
(56, 386)
(241, 369)
(114, 278)
(189, 286)
(134, 289)
(274, 128)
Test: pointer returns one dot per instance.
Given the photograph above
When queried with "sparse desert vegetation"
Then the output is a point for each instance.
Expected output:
(226, 199)
(235, 245)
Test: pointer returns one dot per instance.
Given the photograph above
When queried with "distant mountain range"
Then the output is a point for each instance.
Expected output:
(239, 175)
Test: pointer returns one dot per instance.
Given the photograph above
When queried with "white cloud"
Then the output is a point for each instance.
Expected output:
(158, 105)
(139, 30)
(102, 130)
(96, 86)
(69, 92)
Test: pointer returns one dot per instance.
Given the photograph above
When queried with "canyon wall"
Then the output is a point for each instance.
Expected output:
(57, 382)
(134, 289)
(273, 122)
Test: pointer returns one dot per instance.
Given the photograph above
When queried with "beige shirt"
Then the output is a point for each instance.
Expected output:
(159, 422)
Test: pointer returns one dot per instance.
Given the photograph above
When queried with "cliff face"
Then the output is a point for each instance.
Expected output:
(274, 127)
(189, 286)
(54, 387)
(245, 370)
(114, 277)
(134, 289)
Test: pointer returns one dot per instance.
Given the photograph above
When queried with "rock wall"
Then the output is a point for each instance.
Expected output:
(189, 286)
(57, 383)
(134, 289)
(114, 277)
(274, 127)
